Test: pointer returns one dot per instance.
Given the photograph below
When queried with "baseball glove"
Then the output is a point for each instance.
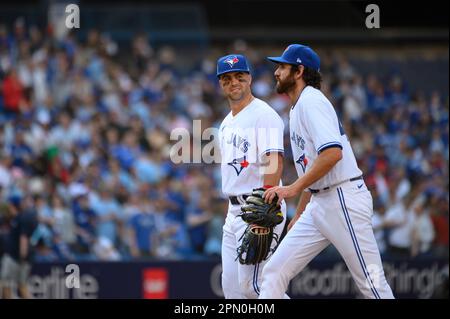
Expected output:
(262, 218)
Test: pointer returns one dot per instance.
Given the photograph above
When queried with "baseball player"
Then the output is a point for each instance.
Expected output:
(251, 145)
(335, 205)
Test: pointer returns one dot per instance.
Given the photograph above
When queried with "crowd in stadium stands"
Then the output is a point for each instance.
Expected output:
(85, 143)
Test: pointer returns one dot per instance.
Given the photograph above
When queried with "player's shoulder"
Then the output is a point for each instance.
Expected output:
(312, 98)
(310, 93)
(225, 123)
(226, 119)
(264, 110)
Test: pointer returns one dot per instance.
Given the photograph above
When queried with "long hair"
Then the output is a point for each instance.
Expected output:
(310, 76)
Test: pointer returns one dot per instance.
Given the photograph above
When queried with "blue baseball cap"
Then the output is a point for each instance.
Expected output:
(232, 63)
(298, 54)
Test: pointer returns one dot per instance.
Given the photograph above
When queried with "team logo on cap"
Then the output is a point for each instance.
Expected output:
(232, 61)
(287, 48)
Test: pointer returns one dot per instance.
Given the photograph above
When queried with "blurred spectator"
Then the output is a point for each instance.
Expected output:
(143, 239)
(46, 221)
(86, 221)
(108, 213)
(19, 251)
(439, 218)
(422, 230)
(104, 250)
(44, 253)
(20, 152)
(7, 213)
(379, 226)
(173, 238)
(141, 50)
(197, 220)
(213, 245)
(64, 223)
(61, 249)
(12, 93)
(399, 220)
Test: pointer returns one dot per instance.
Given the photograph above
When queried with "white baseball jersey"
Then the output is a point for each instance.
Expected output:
(244, 140)
(314, 126)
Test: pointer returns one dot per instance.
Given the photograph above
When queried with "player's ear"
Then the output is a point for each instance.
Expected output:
(300, 71)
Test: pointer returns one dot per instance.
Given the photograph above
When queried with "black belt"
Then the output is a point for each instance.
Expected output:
(314, 191)
(238, 200)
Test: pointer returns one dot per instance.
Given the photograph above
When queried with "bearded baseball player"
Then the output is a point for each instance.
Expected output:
(335, 205)
(251, 145)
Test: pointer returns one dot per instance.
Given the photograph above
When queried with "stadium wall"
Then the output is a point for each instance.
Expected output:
(201, 280)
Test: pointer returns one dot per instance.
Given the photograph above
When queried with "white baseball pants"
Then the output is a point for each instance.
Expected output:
(341, 216)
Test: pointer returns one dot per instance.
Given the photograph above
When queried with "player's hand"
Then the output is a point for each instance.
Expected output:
(281, 191)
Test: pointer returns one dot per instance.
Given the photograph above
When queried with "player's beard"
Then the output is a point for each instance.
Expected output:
(286, 85)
